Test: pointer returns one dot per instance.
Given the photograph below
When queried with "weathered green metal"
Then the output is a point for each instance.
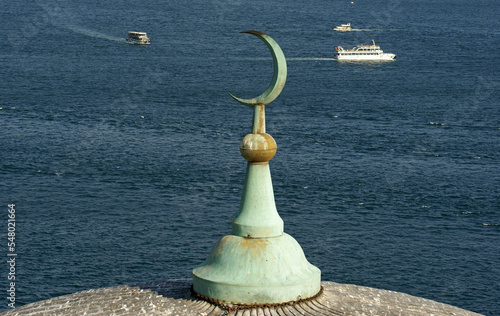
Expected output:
(257, 271)
(259, 263)
(279, 75)
(257, 216)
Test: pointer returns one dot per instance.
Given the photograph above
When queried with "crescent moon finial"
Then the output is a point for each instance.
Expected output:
(279, 76)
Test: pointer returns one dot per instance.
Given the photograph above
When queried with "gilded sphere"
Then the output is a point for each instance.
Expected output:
(258, 148)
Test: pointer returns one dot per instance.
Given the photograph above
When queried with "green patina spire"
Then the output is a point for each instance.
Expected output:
(258, 263)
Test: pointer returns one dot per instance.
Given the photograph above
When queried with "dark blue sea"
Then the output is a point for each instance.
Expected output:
(123, 163)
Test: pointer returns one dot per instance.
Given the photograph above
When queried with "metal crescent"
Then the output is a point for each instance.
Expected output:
(279, 76)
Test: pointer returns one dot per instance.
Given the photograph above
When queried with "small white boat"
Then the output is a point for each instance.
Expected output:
(343, 28)
(363, 53)
(138, 38)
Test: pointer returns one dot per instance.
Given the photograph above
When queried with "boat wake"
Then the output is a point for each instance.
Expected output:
(308, 58)
(287, 59)
(95, 34)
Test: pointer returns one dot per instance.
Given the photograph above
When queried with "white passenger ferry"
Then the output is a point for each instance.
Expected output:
(343, 28)
(363, 53)
(138, 38)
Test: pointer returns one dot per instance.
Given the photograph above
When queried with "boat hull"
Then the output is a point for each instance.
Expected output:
(339, 29)
(381, 57)
(130, 41)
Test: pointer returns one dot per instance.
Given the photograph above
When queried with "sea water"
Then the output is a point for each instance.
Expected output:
(122, 160)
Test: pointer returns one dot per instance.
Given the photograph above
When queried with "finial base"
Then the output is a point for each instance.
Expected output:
(243, 270)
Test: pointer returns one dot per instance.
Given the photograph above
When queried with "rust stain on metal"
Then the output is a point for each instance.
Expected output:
(258, 148)
(254, 245)
(259, 124)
